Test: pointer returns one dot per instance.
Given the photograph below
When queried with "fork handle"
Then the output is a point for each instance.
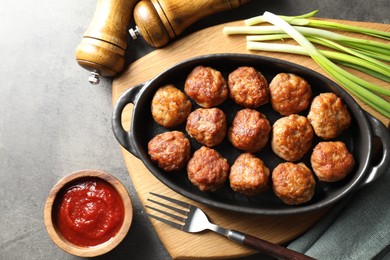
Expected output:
(266, 247)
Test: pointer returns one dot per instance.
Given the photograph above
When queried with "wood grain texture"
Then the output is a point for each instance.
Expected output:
(103, 46)
(162, 20)
(209, 245)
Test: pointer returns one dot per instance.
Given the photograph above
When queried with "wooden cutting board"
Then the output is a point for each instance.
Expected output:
(207, 244)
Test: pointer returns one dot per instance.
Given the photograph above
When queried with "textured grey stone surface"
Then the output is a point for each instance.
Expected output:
(53, 122)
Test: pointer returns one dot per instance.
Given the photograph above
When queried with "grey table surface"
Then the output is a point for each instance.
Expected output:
(53, 122)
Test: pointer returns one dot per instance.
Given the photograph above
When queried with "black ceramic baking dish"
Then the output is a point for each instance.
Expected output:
(360, 137)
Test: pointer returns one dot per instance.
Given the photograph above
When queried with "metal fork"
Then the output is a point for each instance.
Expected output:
(193, 220)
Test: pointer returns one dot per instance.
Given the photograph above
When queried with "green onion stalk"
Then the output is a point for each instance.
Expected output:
(352, 58)
(339, 74)
(372, 45)
(304, 20)
(341, 58)
(365, 55)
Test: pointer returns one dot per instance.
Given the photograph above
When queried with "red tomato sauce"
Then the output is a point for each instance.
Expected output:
(89, 212)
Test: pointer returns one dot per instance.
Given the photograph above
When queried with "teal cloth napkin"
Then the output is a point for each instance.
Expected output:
(357, 228)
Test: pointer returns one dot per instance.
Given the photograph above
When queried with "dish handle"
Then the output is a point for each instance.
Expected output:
(125, 137)
(381, 143)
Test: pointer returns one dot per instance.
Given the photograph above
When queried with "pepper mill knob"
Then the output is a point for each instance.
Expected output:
(94, 78)
(159, 21)
(135, 33)
(102, 49)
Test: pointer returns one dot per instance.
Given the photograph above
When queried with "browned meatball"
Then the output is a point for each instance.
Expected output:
(331, 161)
(249, 131)
(249, 175)
(290, 94)
(207, 126)
(207, 169)
(206, 86)
(170, 150)
(328, 115)
(170, 106)
(292, 137)
(293, 183)
(248, 87)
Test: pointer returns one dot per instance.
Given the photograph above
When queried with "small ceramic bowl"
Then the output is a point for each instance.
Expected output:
(51, 208)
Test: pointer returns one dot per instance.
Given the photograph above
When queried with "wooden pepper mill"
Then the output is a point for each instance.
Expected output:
(159, 21)
(102, 49)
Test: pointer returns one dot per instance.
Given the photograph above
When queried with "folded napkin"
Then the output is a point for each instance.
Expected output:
(356, 228)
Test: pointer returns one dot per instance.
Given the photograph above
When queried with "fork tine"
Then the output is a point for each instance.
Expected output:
(178, 202)
(171, 223)
(166, 213)
(180, 211)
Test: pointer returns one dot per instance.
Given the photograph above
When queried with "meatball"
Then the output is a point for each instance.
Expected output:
(328, 115)
(170, 106)
(248, 87)
(207, 169)
(170, 150)
(207, 126)
(206, 86)
(290, 94)
(331, 161)
(249, 175)
(292, 137)
(249, 131)
(293, 183)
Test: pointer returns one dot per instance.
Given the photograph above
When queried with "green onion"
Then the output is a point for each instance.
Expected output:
(370, 72)
(339, 74)
(260, 19)
(368, 56)
(252, 30)
(267, 37)
(328, 43)
(373, 54)
(340, 26)
(382, 68)
(361, 43)
(303, 21)
(342, 58)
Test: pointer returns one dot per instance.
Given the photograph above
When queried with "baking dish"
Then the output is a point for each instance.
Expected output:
(362, 138)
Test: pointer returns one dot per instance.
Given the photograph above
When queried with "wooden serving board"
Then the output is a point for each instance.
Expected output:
(207, 244)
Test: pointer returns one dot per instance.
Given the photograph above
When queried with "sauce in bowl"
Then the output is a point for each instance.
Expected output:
(88, 211)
